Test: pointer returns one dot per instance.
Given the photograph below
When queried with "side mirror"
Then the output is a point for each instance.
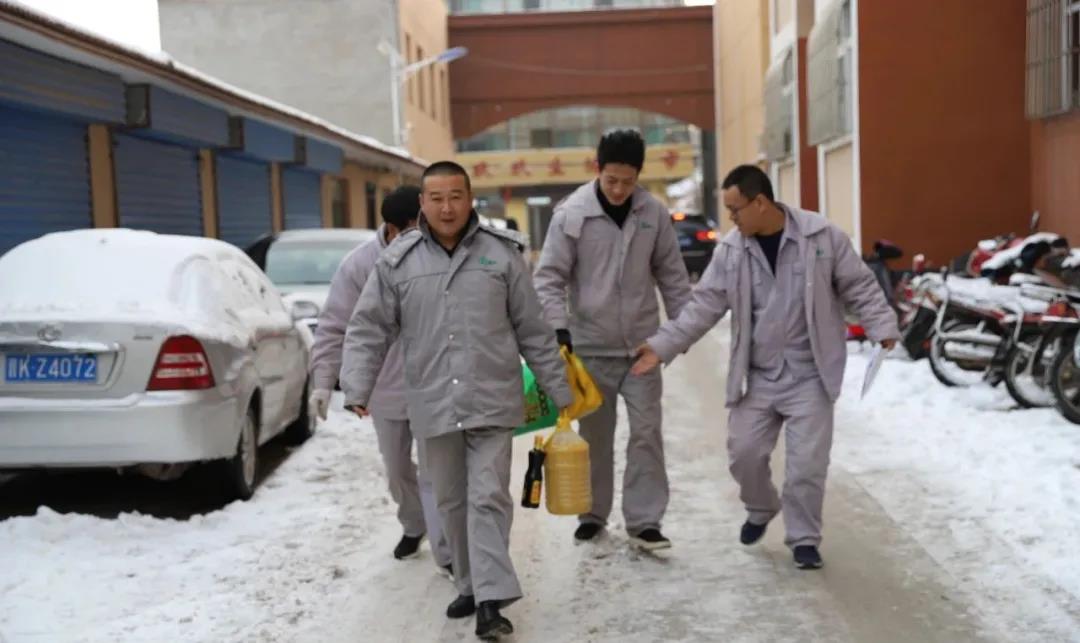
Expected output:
(300, 310)
(1034, 225)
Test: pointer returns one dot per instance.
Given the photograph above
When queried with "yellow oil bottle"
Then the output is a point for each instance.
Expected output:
(566, 467)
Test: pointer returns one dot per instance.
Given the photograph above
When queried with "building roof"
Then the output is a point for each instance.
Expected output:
(33, 29)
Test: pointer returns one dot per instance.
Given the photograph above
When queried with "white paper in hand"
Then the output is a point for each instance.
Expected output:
(876, 359)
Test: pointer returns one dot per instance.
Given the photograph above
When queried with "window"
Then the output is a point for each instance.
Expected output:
(408, 59)
(420, 81)
(830, 75)
(1053, 57)
(445, 97)
(780, 83)
(845, 96)
(1072, 26)
(573, 126)
(430, 73)
(540, 138)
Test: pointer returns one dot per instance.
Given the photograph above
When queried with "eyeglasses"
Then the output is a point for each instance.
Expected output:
(743, 206)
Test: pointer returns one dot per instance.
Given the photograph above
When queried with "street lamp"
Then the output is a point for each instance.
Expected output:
(400, 72)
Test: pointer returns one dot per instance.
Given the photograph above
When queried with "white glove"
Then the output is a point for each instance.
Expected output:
(319, 402)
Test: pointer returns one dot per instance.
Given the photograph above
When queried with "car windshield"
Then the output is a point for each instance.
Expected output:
(305, 263)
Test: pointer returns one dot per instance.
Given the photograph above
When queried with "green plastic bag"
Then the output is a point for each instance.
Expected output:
(540, 410)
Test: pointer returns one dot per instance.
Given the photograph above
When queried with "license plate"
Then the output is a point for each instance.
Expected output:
(685, 242)
(51, 368)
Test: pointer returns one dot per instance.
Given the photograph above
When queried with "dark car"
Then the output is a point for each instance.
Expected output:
(697, 240)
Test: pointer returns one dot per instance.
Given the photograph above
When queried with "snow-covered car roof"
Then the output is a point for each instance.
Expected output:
(130, 273)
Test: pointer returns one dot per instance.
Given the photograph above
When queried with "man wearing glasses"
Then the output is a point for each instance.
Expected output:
(787, 275)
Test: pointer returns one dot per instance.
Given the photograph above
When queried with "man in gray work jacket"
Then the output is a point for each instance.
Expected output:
(460, 299)
(411, 491)
(609, 246)
(786, 275)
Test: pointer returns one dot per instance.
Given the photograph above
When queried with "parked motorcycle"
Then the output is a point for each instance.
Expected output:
(1063, 374)
(991, 335)
(1031, 354)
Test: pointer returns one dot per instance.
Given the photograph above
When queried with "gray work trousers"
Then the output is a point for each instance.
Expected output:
(804, 408)
(470, 470)
(645, 482)
(410, 489)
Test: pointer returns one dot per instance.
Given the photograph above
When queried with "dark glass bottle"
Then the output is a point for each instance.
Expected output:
(534, 477)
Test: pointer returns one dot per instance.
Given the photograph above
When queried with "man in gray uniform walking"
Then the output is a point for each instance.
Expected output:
(609, 246)
(413, 494)
(787, 275)
(460, 298)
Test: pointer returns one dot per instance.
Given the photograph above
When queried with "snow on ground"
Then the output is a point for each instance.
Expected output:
(988, 489)
(950, 517)
(251, 572)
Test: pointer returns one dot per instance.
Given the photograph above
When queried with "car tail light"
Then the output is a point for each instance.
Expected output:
(706, 235)
(1061, 309)
(181, 366)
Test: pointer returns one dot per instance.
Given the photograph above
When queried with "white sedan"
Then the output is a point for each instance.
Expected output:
(123, 348)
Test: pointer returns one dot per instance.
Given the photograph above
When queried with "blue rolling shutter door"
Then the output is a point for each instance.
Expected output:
(45, 181)
(303, 199)
(243, 194)
(157, 186)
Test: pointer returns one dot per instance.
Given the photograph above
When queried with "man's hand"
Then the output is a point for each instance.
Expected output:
(360, 411)
(888, 344)
(647, 360)
(563, 337)
(319, 402)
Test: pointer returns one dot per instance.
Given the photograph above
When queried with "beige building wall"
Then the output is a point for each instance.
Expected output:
(838, 204)
(358, 176)
(518, 210)
(426, 93)
(741, 57)
(784, 12)
(787, 188)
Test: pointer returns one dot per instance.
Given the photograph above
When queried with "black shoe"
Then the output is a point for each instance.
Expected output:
(461, 607)
(447, 570)
(490, 625)
(587, 531)
(408, 547)
(650, 540)
(807, 557)
(751, 533)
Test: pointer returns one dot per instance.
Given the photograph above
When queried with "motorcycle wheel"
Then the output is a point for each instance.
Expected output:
(1025, 373)
(948, 372)
(1065, 380)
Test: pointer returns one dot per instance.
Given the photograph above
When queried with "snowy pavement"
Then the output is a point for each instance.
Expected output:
(949, 517)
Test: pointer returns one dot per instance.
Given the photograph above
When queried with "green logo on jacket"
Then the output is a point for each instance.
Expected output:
(484, 261)
(645, 225)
